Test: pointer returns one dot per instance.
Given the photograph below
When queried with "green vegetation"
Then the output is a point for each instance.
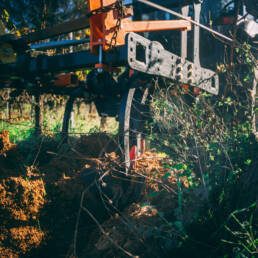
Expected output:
(19, 131)
(21, 128)
(210, 142)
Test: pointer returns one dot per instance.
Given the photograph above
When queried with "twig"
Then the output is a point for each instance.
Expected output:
(102, 229)
(36, 157)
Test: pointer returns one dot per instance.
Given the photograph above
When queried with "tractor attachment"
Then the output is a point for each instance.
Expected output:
(113, 43)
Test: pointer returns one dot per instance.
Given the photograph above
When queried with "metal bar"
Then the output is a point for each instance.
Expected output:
(143, 26)
(167, 3)
(185, 11)
(28, 67)
(66, 27)
(164, 9)
(62, 43)
(196, 56)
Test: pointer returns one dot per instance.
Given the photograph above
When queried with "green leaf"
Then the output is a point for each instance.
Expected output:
(253, 205)
(213, 145)
(179, 225)
(179, 166)
(154, 194)
(179, 244)
(248, 162)
(166, 175)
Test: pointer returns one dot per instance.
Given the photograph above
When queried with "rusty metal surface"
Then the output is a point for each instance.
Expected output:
(151, 58)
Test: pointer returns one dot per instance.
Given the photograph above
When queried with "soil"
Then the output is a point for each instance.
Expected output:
(76, 194)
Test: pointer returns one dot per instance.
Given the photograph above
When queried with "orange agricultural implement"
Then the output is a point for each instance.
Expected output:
(117, 39)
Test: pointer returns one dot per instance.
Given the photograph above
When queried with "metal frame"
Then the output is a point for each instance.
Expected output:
(107, 20)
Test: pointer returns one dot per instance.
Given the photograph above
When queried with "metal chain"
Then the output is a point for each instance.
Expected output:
(101, 10)
(119, 8)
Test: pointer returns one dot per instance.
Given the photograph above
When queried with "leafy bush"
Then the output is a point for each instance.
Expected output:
(211, 143)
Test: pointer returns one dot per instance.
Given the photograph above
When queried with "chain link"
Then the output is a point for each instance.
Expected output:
(119, 8)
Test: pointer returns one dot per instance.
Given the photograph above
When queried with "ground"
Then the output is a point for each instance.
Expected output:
(76, 201)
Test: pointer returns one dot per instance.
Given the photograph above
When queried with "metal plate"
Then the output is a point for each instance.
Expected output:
(150, 57)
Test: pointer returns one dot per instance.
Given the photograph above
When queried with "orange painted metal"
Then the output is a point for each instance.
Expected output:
(104, 25)
(97, 4)
(185, 88)
(69, 79)
(197, 91)
(142, 26)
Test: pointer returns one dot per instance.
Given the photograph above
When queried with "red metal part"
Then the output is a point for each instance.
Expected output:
(197, 91)
(132, 155)
(104, 25)
(69, 79)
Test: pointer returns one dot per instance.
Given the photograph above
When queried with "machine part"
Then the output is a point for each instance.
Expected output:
(102, 83)
(100, 70)
(196, 53)
(65, 80)
(107, 106)
(168, 3)
(150, 57)
(161, 8)
(131, 121)
(249, 27)
(56, 44)
(185, 11)
(110, 28)
(29, 67)
(252, 7)
(66, 27)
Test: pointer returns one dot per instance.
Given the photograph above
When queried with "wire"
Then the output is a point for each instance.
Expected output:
(185, 18)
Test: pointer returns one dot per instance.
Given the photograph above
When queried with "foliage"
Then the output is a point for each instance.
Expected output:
(35, 14)
(211, 143)
(19, 131)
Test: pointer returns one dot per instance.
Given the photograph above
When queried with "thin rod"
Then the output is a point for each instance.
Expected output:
(185, 18)
(62, 43)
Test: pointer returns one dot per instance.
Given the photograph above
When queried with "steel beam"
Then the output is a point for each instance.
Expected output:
(63, 28)
(28, 67)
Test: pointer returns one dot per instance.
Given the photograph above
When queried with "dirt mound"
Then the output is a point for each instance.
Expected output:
(132, 232)
(96, 145)
(22, 196)
(10, 158)
(20, 203)
(39, 207)
(5, 143)
(25, 238)
(21, 199)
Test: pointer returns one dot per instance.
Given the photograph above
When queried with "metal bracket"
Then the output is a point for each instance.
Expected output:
(150, 57)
